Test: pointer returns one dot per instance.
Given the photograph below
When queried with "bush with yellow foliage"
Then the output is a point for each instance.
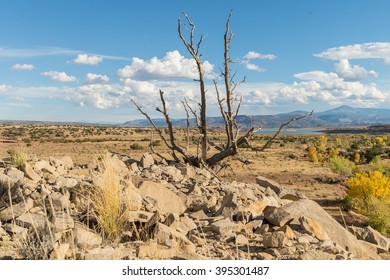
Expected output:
(370, 193)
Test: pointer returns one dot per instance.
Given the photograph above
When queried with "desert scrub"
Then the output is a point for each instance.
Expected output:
(377, 164)
(312, 154)
(18, 158)
(136, 146)
(370, 193)
(341, 165)
(109, 203)
(363, 186)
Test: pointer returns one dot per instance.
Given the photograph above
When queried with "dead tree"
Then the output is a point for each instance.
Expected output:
(229, 105)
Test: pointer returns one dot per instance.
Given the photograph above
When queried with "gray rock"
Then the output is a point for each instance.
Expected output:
(229, 206)
(57, 201)
(133, 197)
(105, 253)
(16, 210)
(371, 235)
(335, 231)
(86, 238)
(62, 182)
(166, 200)
(174, 174)
(257, 207)
(30, 173)
(28, 220)
(147, 160)
(316, 255)
(277, 216)
(225, 226)
(268, 183)
(275, 239)
(314, 227)
(62, 222)
(15, 174)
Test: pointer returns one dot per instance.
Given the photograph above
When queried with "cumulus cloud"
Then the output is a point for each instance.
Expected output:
(379, 50)
(256, 55)
(87, 59)
(254, 67)
(59, 76)
(172, 65)
(96, 78)
(352, 72)
(28, 67)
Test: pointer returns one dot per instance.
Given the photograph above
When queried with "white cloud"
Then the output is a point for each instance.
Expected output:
(28, 67)
(4, 87)
(35, 52)
(256, 55)
(59, 76)
(379, 50)
(87, 59)
(254, 67)
(172, 65)
(96, 78)
(352, 72)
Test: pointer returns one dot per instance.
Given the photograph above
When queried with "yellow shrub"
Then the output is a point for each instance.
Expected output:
(356, 158)
(333, 152)
(363, 186)
(322, 143)
(312, 154)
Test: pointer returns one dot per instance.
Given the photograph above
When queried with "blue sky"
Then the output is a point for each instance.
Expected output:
(84, 60)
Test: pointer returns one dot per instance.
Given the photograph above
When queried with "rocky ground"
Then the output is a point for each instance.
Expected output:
(176, 212)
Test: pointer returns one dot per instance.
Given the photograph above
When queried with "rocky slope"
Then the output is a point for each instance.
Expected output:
(175, 212)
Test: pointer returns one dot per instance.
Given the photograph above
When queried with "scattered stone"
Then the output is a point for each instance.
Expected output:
(198, 215)
(257, 207)
(139, 216)
(313, 227)
(229, 206)
(67, 183)
(57, 201)
(277, 216)
(288, 232)
(316, 255)
(28, 220)
(86, 238)
(105, 253)
(166, 200)
(16, 210)
(62, 222)
(15, 174)
(371, 235)
(59, 251)
(154, 251)
(30, 173)
(274, 239)
(147, 160)
(241, 240)
(225, 226)
(133, 198)
(335, 231)
(163, 232)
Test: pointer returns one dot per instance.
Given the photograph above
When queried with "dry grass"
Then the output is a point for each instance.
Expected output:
(18, 157)
(110, 208)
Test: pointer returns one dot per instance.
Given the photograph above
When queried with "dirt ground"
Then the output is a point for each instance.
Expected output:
(285, 162)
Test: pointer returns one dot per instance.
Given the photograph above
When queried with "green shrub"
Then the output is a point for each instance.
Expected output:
(136, 146)
(377, 164)
(341, 165)
(378, 213)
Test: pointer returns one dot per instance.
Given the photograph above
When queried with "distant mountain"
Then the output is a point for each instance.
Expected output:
(340, 116)
(345, 115)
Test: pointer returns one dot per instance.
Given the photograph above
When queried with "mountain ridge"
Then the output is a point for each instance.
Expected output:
(341, 116)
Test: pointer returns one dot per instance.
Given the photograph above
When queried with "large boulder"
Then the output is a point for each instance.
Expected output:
(310, 209)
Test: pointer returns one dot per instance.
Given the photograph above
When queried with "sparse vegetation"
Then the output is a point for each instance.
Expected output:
(341, 165)
(109, 203)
